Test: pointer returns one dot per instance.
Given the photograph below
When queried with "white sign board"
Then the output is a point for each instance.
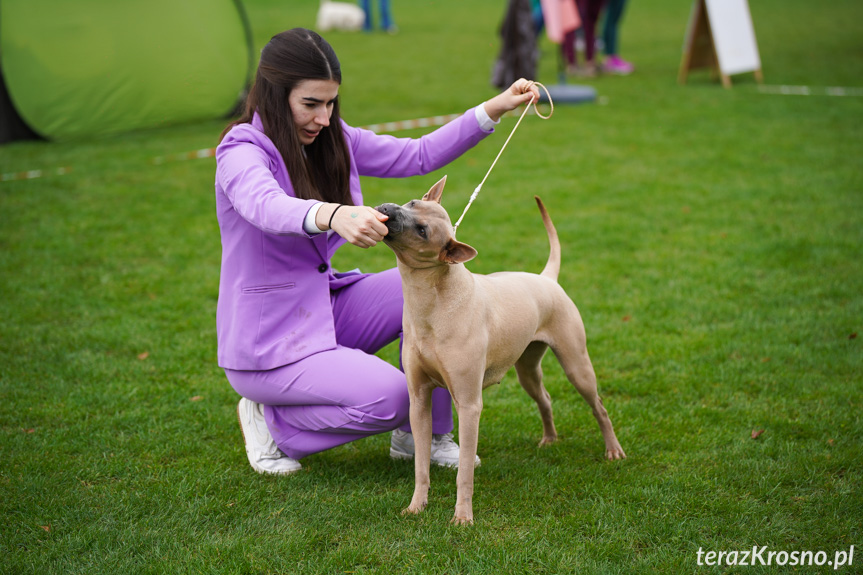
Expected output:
(733, 36)
(720, 36)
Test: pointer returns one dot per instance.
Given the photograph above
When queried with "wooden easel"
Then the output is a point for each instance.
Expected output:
(721, 37)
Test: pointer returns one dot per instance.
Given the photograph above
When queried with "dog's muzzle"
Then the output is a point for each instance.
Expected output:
(395, 222)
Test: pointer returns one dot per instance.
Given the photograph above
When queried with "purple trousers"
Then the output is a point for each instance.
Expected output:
(341, 395)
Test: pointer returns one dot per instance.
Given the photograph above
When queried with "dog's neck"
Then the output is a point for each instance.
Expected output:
(445, 285)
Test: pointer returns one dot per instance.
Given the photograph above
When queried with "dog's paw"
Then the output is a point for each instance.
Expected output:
(547, 440)
(413, 510)
(615, 453)
(462, 520)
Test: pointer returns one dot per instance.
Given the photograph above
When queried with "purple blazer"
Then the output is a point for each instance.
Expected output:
(274, 291)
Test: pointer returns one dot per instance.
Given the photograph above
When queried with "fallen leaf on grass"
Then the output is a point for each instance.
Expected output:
(830, 442)
(196, 398)
(627, 318)
(143, 356)
(46, 527)
(31, 430)
(853, 335)
(756, 433)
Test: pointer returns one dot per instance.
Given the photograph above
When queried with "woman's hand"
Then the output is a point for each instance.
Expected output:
(519, 93)
(360, 225)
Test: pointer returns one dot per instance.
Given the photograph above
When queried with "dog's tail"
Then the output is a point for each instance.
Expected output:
(552, 266)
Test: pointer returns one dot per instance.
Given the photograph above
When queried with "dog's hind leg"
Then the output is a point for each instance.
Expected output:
(571, 352)
(529, 371)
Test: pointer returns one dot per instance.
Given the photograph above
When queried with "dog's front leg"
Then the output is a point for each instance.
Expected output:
(469, 407)
(421, 427)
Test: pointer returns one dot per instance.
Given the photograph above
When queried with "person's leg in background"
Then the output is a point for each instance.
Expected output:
(367, 8)
(536, 14)
(613, 63)
(567, 48)
(589, 11)
(387, 22)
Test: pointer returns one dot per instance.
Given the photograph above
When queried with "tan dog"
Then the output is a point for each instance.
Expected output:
(464, 331)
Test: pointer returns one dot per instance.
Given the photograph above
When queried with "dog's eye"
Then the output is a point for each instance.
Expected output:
(421, 230)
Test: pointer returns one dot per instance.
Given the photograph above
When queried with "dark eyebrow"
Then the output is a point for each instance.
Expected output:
(317, 100)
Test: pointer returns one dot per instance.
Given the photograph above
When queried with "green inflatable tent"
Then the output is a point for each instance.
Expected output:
(73, 68)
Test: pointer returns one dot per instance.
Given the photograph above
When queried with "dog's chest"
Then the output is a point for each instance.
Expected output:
(452, 355)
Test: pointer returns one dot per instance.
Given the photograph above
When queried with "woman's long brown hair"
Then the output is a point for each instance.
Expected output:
(322, 170)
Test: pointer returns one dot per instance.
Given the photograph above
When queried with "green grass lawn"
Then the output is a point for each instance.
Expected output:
(711, 239)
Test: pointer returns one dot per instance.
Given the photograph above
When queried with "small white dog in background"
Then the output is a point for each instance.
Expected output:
(340, 16)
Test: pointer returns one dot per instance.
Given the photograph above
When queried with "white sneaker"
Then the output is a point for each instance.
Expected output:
(264, 455)
(444, 449)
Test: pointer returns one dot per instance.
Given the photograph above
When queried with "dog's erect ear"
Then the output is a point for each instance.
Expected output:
(434, 194)
(457, 252)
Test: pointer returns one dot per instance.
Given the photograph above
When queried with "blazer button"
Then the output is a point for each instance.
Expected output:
(323, 268)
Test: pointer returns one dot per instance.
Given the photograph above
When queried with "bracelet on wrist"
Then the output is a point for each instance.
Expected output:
(332, 215)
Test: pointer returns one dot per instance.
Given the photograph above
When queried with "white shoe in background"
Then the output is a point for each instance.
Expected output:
(444, 449)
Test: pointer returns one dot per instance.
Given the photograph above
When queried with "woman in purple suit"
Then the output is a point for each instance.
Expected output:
(295, 337)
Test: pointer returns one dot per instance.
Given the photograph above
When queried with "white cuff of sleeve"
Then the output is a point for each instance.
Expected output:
(309, 225)
(483, 119)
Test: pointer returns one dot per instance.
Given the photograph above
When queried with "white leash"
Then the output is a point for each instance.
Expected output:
(479, 187)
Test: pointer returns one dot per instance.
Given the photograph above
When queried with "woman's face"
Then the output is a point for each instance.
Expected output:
(311, 103)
